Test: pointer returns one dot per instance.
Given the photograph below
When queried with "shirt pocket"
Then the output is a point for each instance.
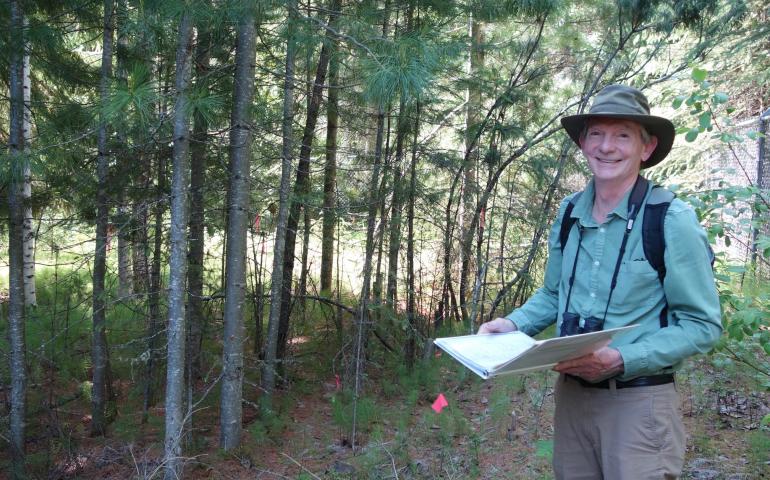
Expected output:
(637, 286)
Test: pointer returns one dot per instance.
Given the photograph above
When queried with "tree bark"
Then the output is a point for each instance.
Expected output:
(99, 351)
(330, 174)
(197, 233)
(155, 285)
(302, 183)
(180, 186)
(303, 273)
(394, 242)
(30, 294)
(238, 223)
(271, 341)
(16, 315)
(411, 312)
(471, 160)
(125, 277)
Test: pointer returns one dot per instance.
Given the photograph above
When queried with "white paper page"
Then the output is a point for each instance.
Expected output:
(484, 353)
(548, 353)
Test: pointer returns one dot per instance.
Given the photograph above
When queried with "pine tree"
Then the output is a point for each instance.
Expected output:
(180, 206)
(16, 314)
(238, 223)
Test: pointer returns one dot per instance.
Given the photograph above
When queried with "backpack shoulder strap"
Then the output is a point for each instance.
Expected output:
(567, 221)
(653, 238)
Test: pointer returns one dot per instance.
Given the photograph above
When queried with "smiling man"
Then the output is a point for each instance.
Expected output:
(617, 410)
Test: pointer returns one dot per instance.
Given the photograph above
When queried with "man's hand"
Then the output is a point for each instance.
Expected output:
(596, 366)
(498, 325)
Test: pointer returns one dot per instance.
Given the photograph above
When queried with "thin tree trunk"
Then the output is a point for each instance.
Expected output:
(155, 285)
(394, 243)
(180, 187)
(238, 224)
(362, 320)
(197, 234)
(411, 313)
(30, 295)
(302, 184)
(16, 315)
(330, 175)
(471, 160)
(99, 351)
(259, 288)
(306, 227)
(271, 342)
(125, 278)
(140, 240)
(362, 324)
(379, 237)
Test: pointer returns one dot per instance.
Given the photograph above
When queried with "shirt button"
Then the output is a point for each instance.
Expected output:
(601, 230)
(593, 295)
(596, 263)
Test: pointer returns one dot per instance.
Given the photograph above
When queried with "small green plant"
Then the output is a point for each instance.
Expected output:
(366, 411)
(759, 451)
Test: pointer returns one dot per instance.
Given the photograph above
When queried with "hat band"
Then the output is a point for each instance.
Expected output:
(619, 108)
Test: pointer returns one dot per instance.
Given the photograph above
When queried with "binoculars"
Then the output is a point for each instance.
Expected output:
(570, 324)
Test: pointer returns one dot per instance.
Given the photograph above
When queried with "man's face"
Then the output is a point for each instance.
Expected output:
(615, 149)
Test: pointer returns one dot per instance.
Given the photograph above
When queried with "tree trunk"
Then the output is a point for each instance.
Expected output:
(16, 328)
(99, 351)
(302, 184)
(197, 234)
(271, 342)
(330, 175)
(155, 285)
(180, 186)
(303, 273)
(28, 231)
(238, 224)
(125, 277)
(471, 160)
(361, 327)
(379, 237)
(394, 243)
(411, 313)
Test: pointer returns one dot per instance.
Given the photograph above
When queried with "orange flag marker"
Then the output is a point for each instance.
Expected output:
(439, 403)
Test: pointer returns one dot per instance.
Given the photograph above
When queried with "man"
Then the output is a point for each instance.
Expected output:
(617, 410)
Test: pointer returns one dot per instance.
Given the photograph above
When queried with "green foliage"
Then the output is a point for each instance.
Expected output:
(366, 411)
(404, 66)
(759, 452)
(733, 211)
(544, 449)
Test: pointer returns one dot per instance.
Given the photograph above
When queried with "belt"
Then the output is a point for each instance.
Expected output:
(648, 381)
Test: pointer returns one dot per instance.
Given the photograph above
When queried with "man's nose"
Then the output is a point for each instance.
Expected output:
(607, 144)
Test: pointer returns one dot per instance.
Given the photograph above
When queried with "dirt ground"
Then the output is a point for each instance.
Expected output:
(490, 430)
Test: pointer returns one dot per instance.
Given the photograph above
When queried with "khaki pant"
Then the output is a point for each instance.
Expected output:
(631, 433)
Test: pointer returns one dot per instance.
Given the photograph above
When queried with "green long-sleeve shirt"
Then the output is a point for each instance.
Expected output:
(694, 320)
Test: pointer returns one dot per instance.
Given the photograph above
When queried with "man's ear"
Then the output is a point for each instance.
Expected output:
(649, 148)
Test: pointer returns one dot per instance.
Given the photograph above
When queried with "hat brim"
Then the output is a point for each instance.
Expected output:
(660, 127)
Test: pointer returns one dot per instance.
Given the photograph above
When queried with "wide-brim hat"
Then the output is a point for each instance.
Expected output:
(624, 102)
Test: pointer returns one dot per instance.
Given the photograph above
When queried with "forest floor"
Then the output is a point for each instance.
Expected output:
(494, 429)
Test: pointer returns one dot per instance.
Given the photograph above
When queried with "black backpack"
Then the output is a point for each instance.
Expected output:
(653, 240)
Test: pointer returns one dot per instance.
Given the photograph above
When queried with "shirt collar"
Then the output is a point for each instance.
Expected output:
(583, 209)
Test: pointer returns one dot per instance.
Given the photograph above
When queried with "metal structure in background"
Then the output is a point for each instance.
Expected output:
(763, 183)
